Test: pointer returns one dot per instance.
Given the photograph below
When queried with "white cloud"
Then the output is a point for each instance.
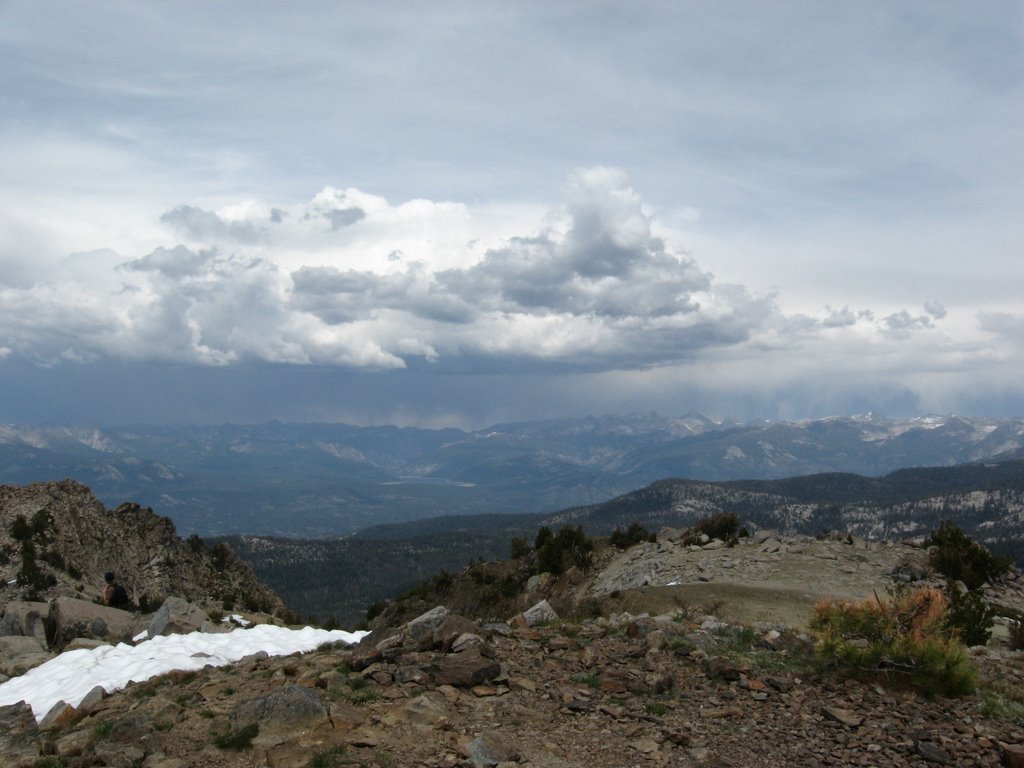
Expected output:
(594, 285)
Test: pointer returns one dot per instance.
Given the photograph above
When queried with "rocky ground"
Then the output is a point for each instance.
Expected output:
(624, 691)
(677, 654)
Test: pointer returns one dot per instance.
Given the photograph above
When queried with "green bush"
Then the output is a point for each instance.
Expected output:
(959, 558)
(970, 616)
(634, 534)
(518, 548)
(570, 547)
(907, 636)
(1016, 627)
(20, 530)
(237, 740)
(328, 758)
(721, 525)
(544, 535)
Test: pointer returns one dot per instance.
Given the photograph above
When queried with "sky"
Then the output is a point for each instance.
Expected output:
(70, 676)
(462, 213)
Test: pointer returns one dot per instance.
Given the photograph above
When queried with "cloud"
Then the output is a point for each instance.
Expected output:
(901, 323)
(197, 224)
(936, 309)
(177, 262)
(349, 280)
(839, 318)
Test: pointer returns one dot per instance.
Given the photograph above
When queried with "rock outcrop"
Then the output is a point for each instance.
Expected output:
(57, 539)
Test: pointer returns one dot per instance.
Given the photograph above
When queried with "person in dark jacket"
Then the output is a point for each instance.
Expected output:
(114, 594)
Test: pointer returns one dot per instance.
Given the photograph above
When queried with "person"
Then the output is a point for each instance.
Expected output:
(114, 594)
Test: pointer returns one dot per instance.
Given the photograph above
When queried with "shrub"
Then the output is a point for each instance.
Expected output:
(570, 547)
(375, 610)
(328, 758)
(221, 556)
(20, 530)
(721, 525)
(1016, 627)
(907, 635)
(544, 535)
(959, 558)
(518, 548)
(633, 535)
(970, 616)
(237, 740)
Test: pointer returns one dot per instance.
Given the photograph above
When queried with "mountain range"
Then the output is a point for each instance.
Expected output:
(334, 479)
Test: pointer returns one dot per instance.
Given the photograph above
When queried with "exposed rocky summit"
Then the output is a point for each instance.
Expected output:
(57, 540)
(444, 691)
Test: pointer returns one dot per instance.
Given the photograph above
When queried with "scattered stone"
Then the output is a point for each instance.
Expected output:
(1013, 755)
(933, 753)
(847, 717)
(488, 749)
(429, 710)
(468, 668)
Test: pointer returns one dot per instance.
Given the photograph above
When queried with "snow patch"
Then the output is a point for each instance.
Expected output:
(71, 675)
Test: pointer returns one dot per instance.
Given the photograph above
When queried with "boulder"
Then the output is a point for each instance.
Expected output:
(454, 627)
(73, 618)
(176, 617)
(421, 629)
(59, 716)
(282, 713)
(19, 736)
(465, 669)
(541, 613)
(26, 619)
(20, 654)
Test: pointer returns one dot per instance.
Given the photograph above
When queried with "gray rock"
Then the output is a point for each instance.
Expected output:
(452, 628)
(933, 753)
(19, 736)
(176, 617)
(73, 618)
(59, 715)
(26, 619)
(847, 717)
(19, 654)
(85, 644)
(428, 711)
(281, 714)
(92, 699)
(421, 629)
(490, 749)
(541, 613)
(74, 743)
